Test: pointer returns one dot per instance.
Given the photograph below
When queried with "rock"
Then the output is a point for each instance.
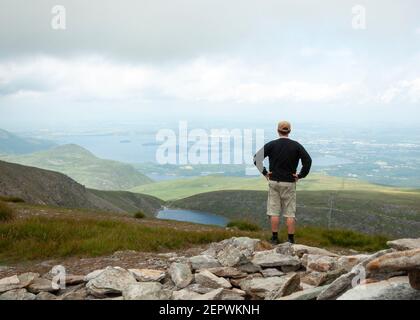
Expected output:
(17, 281)
(272, 287)
(396, 261)
(42, 285)
(237, 282)
(291, 284)
(348, 262)
(208, 279)
(235, 251)
(72, 279)
(316, 278)
(17, 294)
(404, 244)
(185, 294)
(198, 288)
(77, 292)
(92, 275)
(272, 259)
(318, 263)
(249, 268)
(180, 274)
(308, 294)
(344, 282)
(111, 280)
(271, 272)
(300, 249)
(148, 274)
(285, 249)
(46, 296)
(227, 272)
(212, 295)
(396, 288)
(234, 294)
(146, 291)
(337, 287)
(232, 256)
(203, 262)
(414, 277)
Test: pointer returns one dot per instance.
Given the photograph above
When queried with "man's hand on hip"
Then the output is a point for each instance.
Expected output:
(268, 175)
(296, 177)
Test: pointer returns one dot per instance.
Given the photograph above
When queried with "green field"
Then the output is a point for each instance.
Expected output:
(82, 166)
(181, 188)
(41, 232)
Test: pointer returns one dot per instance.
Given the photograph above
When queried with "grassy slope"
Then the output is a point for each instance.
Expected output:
(371, 212)
(41, 232)
(84, 167)
(181, 188)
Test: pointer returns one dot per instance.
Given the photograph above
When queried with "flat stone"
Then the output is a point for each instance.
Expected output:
(228, 294)
(396, 288)
(208, 279)
(271, 288)
(308, 294)
(249, 268)
(17, 294)
(77, 292)
(42, 285)
(204, 262)
(146, 291)
(271, 272)
(180, 274)
(198, 288)
(232, 256)
(93, 275)
(348, 262)
(300, 250)
(212, 295)
(268, 259)
(148, 274)
(404, 244)
(185, 294)
(291, 284)
(314, 262)
(316, 278)
(113, 280)
(46, 296)
(17, 281)
(227, 272)
(396, 261)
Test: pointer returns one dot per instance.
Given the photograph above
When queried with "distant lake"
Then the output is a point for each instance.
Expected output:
(192, 216)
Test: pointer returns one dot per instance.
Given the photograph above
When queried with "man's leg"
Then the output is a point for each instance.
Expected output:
(273, 210)
(290, 222)
(288, 196)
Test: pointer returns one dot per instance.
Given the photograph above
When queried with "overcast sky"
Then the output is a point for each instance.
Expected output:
(144, 59)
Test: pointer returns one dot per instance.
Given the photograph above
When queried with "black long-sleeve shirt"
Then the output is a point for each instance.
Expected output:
(283, 155)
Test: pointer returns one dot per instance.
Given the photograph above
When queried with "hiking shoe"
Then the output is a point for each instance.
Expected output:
(274, 241)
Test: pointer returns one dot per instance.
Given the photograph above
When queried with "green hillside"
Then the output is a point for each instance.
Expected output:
(84, 167)
(370, 212)
(11, 144)
(181, 188)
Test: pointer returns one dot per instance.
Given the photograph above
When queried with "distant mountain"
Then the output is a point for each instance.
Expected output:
(39, 186)
(84, 167)
(13, 144)
(393, 214)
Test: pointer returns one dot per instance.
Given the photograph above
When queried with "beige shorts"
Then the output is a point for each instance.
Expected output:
(281, 199)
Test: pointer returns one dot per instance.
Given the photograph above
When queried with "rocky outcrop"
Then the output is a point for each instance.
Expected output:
(241, 269)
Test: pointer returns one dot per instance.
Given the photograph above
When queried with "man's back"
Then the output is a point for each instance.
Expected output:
(284, 155)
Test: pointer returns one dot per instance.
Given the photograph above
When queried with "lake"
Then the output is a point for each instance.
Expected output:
(192, 216)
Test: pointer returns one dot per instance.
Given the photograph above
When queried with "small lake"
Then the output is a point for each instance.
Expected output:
(192, 216)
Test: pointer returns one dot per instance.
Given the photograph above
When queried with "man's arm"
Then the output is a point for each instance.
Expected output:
(259, 159)
(306, 162)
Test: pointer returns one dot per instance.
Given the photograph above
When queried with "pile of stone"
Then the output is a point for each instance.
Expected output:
(242, 269)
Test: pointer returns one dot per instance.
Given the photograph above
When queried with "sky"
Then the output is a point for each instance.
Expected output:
(145, 60)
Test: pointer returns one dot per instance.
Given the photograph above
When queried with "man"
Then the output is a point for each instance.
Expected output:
(283, 155)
